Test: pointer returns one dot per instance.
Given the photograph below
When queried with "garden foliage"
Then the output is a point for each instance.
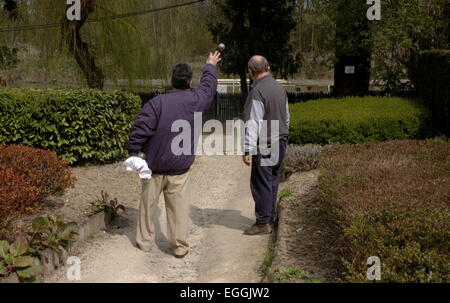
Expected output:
(16, 258)
(300, 158)
(357, 120)
(78, 125)
(391, 200)
(29, 175)
(54, 233)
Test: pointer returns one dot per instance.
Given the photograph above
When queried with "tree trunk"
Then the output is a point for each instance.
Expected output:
(447, 17)
(80, 49)
(244, 87)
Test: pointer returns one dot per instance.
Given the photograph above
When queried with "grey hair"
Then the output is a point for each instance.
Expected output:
(258, 64)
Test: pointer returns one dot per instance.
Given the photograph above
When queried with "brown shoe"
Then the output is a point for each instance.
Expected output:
(258, 229)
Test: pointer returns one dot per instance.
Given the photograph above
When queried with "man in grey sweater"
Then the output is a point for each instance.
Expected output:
(266, 114)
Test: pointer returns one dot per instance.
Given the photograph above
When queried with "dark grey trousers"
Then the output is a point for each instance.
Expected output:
(264, 183)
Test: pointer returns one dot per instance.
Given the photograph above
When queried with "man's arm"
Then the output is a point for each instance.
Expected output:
(208, 82)
(254, 112)
(143, 128)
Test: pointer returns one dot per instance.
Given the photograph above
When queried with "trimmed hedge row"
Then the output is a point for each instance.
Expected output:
(79, 125)
(357, 120)
(434, 85)
(391, 200)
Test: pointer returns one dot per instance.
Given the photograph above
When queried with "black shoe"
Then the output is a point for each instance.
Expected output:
(258, 229)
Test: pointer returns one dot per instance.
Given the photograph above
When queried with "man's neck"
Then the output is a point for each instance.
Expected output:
(261, 75)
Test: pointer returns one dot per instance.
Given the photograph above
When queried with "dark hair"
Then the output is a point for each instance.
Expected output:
(181, 76)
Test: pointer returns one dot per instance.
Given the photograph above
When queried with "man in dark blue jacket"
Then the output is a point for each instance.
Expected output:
(152, 135)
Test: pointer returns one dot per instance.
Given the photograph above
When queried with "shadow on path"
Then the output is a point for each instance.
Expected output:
(230, 218)
(125, 224)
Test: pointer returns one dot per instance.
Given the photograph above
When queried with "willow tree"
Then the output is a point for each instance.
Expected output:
(71, 33)
(100, 49)
(8, 55)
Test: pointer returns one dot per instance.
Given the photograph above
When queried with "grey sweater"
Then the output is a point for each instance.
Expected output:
(266, 114)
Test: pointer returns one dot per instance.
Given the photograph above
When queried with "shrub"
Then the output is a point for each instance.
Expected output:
(43, 169)
(17, 195)
(412, 244)
(300, 158)
(29, 175)
(78, 125)
(391, 200)
(433, 74)
(357, 120)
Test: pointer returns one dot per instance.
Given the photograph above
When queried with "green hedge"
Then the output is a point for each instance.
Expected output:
(434, 85)
(79, 125)
(357, 120)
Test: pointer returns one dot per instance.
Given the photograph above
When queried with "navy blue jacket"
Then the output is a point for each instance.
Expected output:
(152, 133)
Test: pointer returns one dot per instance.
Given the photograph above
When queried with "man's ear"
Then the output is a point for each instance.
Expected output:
(190, 84)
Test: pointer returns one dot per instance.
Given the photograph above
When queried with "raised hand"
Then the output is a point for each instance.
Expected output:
(213, 58)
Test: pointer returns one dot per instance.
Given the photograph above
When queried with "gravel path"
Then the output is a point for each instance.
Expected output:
(221, 208)
(306, 236)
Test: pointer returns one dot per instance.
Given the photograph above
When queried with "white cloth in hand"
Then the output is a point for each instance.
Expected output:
(140, 165)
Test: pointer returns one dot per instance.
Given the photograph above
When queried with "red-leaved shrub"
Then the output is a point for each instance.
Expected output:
(27, 176)
(17, 195)
(42, 168)
(391, 200)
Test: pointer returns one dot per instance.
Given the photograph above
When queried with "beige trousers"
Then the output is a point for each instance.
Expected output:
(176, 196)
